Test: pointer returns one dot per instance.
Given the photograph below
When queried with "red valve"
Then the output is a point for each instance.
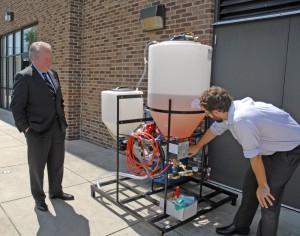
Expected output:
(177, 192)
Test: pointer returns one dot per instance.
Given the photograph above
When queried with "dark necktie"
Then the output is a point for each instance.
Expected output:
(49, 83)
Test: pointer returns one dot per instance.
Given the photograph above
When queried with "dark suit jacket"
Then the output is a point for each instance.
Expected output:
(33, 105)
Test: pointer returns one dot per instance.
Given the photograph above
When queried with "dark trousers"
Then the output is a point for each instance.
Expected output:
(46, 148)
(279, 169)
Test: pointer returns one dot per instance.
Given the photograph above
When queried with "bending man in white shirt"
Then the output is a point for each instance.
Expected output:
(270, 139)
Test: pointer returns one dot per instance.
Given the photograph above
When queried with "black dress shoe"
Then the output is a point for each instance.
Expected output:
(63, 196)
(41, 205)
(232, 229)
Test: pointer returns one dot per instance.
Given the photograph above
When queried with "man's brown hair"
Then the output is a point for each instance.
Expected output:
(216, 98)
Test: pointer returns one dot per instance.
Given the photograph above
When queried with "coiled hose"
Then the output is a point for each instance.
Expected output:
(149, 164)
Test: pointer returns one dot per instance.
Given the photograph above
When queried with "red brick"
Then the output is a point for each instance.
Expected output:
(98, 45)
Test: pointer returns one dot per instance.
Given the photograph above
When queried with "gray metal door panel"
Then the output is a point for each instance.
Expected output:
(250, 60)
(227, 162)
(291, 101)
(291, 98)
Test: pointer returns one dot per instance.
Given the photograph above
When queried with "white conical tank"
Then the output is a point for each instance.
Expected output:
(180, 71)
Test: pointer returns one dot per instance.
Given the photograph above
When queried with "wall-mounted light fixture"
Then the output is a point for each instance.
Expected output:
(9, 16)
(153, 18)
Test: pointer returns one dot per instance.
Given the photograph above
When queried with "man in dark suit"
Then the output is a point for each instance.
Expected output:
(38, 110)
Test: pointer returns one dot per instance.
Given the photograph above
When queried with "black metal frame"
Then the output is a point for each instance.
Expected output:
(154, 220)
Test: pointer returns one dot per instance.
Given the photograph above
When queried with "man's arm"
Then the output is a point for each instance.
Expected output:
(18, 103)
(263, 191)
(205, 139)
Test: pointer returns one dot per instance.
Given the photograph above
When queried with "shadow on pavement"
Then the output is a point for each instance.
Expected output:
(65, 221)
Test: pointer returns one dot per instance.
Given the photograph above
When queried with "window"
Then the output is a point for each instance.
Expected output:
(30, 35)
(18, 42)
(14, 57)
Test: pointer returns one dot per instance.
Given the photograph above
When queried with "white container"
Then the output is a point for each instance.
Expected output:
(129, 108)
(181, 214)
(180, 71)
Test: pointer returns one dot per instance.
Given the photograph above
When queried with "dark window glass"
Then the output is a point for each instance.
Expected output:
(10, 72)
(30, 35)
(18, 64)
(18, 42)
(3, 98)
(3, 46)
(3, 72)
(13, 46)
(10, 45)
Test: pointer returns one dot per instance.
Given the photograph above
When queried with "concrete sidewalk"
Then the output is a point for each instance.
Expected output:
(86, 216)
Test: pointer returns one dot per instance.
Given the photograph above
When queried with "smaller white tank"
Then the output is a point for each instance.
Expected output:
(129, 108)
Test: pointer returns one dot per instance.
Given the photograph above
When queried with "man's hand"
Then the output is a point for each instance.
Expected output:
(193, 150)
(205, 139)
(264, 196)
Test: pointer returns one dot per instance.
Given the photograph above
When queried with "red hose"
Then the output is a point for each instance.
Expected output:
(146, 166)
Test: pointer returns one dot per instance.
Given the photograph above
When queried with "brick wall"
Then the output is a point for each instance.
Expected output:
(59, 24)
(113, 44)
(98, 45)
